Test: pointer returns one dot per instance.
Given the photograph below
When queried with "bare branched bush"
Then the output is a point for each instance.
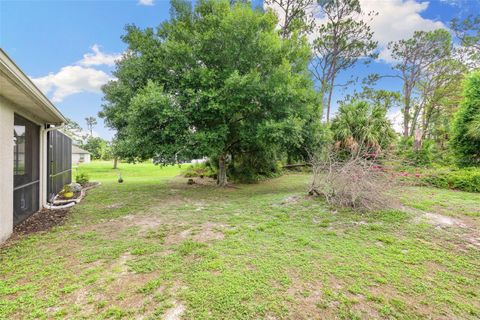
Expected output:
(360, 181)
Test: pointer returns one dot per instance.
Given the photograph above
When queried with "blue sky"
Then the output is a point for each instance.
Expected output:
(68, 47)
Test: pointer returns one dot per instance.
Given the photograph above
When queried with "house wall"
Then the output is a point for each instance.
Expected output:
(76, 158)
(6, 169)
(7, 111)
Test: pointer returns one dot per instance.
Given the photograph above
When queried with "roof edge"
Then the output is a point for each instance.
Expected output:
(79, 150)
(8, 66)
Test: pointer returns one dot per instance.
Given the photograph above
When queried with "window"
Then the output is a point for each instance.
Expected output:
(19, 150)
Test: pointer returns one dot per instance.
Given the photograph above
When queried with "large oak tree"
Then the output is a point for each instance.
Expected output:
(216, 80)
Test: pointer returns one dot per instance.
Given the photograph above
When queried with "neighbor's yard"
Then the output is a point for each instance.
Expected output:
(156, 247)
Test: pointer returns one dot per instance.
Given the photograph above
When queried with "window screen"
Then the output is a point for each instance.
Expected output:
(59, 162)
(26, 159)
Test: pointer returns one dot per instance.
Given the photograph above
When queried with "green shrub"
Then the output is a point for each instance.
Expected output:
(82, 178)
(200, 170)
(429, 153)
(467, 179)
(420, 157)
(250, 169)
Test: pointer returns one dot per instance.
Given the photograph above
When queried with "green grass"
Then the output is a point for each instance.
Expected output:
(153, 243)
(448, 202)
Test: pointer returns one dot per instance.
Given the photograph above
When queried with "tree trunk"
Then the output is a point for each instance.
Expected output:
(289, 158)
(222, 172)
(405, 123)
(417, 144)
(406, 111)
(322, 90)
(115, 162)
(330, 91)
(413, 124)
(426, 122)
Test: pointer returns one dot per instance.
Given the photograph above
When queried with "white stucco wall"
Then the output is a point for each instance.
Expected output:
(7, 112)
(6, 169)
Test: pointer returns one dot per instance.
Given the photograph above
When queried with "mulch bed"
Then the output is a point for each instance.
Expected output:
(42, 220)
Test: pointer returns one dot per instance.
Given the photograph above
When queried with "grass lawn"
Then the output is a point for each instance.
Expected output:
(155, 247)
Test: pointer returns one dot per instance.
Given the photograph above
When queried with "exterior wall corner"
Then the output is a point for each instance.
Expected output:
(6, 169)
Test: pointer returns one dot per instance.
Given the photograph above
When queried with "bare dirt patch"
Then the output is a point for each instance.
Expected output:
(114, 206)
(117, 286)
(209, 232)
(461, 227)
(435, 219)
(122, 263)
(177, 237)
(114, 227)
(442, 221)
(206, 232)
(309, 301)
(145, 223)
(292, 200)
(176, 312)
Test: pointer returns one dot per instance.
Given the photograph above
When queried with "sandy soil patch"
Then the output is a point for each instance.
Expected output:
(462, 227)
(176, 312)
(206, 232)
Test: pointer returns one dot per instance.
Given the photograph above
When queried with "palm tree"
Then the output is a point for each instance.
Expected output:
(91, 122)
(360, 128)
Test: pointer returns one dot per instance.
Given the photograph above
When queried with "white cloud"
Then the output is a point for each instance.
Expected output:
(79, 77)
(146, 2)
(453, 3)
(397, 19)
(396, 118)
(98, 58)
(71, 80)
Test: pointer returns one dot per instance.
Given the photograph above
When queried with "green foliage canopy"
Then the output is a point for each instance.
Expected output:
(466, 134)
(213, 81)
(98, 148)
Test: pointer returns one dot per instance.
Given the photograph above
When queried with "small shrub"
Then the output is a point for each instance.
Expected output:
(67, 192)
(82, 178)
(467, 179)
(67, 188)
(252, 169)
(199, 170)
(430, 153)
(421, 157)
